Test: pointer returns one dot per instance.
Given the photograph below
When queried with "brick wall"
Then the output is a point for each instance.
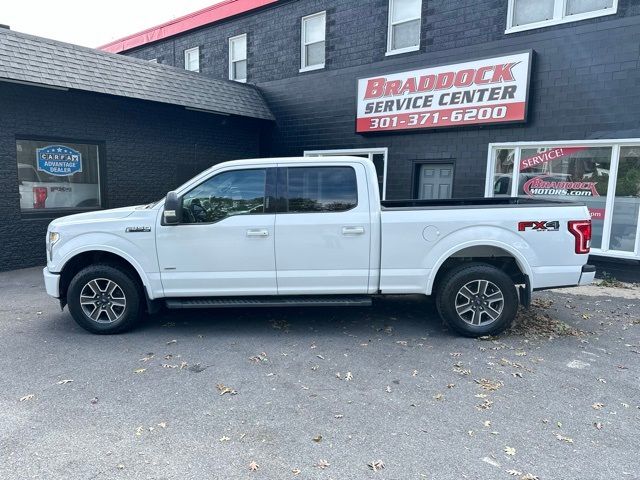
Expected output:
(585, 78)
(150, 149)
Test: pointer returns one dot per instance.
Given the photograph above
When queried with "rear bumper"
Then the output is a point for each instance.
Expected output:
(588, 274)
(51, 282)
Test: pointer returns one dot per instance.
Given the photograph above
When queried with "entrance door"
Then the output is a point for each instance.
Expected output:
(436, 181)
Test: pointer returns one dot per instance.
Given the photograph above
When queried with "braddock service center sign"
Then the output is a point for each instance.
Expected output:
(493, 90)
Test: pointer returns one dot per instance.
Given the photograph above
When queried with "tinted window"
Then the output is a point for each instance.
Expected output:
(238, 192)
(322, 189)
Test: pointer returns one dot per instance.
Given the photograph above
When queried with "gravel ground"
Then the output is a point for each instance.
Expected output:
(381, 393)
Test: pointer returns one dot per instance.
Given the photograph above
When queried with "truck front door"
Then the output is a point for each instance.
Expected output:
(323, 230)
(224, 244)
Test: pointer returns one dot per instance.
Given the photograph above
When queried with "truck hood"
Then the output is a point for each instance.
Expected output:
(101, 215)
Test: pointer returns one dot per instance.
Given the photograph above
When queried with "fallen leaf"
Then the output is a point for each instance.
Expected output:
(348, 376)
(147, 358)
(455, 354)
(338, 416)
(224, 389)
(529, 476)
(485, 405)
(64, 382)
(162, 424)
(510, 451)
(563, 438)
(376, 465)
(487, 423)
(139, 431)
(172, 342)
(597, 406)
(438, 396)
(388, 389)
(296, 471)
(317, 438)
(253, 466)
(451, 385)
(515, 473)
(260, 358)
(94, 400)
(224, 438)
(26, 398)
(320, 357)
(322, 464)
(120, 467)
(338, 375)
(489, 385)
(140, 370)
(414, 373)
(598, 425)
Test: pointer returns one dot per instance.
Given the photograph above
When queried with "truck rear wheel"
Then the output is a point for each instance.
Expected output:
(477, 299)
(104, 300)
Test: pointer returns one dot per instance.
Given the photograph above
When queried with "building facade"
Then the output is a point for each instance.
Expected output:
(437, 93)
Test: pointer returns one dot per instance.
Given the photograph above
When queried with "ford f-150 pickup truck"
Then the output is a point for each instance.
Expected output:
(296, 231)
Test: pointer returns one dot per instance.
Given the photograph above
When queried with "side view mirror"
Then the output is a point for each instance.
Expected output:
(172, 207)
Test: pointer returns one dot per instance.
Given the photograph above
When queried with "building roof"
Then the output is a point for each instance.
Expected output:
(44, 62)
(214, 13)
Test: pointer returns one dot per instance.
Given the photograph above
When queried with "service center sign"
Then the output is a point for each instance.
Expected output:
(493, 90)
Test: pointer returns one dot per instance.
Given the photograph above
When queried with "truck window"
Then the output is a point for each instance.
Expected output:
(237, 192)
(321, 189)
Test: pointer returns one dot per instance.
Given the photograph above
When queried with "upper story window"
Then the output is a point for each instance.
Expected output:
(192, 59)
(238, 58)
(528, 14)
(405, 17)
(314, 28)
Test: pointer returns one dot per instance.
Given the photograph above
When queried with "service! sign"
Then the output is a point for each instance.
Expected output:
(492, 90)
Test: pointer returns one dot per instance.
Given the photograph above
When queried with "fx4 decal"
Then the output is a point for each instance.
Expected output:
(542, 226)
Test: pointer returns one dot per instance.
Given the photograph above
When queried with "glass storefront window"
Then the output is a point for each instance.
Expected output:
(624, 225)
(57, 175)
(504, 158)
(569, 173)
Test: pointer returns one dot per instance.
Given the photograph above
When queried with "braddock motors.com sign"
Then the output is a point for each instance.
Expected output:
(493, 90)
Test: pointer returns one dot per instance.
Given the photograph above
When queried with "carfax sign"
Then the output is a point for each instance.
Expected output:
(493, 90)
(59, 160)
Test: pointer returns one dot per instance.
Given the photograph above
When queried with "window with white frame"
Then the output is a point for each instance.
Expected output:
(528, 14)
(602, 174)
(314, 32)
(192, 59)
(238, 58)
(405, 18)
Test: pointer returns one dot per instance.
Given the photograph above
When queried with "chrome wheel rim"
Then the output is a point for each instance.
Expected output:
(479, 303)
(103, 300)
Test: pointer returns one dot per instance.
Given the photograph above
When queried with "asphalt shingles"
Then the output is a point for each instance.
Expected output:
(43, 61)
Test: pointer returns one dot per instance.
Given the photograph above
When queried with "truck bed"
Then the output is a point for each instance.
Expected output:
(473, 202)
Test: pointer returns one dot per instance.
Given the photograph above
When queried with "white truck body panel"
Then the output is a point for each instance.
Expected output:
(366, 250)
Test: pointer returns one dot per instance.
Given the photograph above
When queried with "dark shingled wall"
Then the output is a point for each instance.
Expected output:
(150, 149)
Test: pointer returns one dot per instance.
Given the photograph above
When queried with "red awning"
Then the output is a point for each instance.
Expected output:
(214, 13)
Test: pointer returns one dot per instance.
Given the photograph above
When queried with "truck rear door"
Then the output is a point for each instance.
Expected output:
(322, 229)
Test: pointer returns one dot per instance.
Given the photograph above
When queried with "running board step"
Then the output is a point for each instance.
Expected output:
(247, 302)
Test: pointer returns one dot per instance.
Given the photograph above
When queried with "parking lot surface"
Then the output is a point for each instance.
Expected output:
(358, 393)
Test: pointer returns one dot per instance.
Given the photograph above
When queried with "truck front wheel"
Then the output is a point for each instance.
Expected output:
(477, 300)
(104, 299)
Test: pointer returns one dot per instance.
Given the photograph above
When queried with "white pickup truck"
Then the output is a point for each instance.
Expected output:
(295, 231)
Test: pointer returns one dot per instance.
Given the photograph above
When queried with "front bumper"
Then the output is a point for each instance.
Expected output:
(51, 282)
(588, 275)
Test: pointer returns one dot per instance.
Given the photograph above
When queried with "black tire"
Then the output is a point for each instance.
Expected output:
(123, 306)
(485, 313)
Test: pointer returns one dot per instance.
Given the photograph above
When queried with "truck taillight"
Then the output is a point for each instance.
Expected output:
(39, 197)
(581, 230)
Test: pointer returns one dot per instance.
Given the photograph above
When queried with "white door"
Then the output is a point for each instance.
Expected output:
(323, 230)
(225, 242)
(436, 181)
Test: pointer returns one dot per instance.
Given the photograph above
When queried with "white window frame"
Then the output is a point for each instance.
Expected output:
(245, 59)
(303, 50)
(390, 26)
(370, 152)
(614, 144)
(559, 16)
(187, 52)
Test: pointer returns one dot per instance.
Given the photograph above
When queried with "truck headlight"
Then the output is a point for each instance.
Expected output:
(53, 238)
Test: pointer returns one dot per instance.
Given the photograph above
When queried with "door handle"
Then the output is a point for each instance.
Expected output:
(353, 230)
(258, 232)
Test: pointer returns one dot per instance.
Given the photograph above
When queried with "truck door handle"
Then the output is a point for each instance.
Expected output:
(352, 230)
(258, 232)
